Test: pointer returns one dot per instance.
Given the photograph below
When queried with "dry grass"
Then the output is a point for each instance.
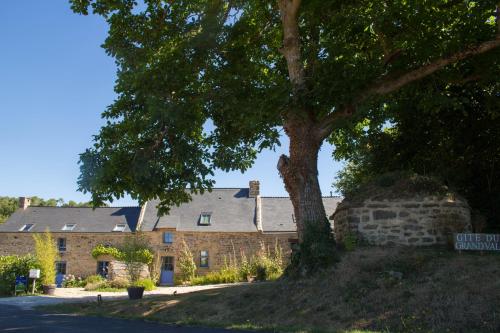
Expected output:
(439, 291)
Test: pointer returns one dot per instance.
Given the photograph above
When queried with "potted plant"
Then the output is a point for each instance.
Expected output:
(46, 255)
(135, 254)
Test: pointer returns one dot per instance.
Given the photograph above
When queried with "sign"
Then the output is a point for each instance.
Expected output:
(21, 284)
(477, 242)
(34, 273)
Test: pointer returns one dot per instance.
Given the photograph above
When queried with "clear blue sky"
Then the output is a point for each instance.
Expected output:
(55, 80)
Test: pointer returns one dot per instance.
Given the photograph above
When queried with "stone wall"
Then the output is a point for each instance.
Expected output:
(77, 256)
(219, 245)
(419, 221)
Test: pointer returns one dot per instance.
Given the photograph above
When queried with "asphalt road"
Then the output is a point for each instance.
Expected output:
(16, 319)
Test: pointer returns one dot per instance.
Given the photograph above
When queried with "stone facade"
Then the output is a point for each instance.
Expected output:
(418, 221)
(220, 247)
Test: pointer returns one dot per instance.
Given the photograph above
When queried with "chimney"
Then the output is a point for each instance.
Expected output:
(253, 189)
(24, 202)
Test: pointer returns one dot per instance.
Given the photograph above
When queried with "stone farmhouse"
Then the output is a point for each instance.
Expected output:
(214, 225)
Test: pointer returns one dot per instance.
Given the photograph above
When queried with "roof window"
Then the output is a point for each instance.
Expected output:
(27, 227)
(205, 218)
(68, 227)
(119, 227)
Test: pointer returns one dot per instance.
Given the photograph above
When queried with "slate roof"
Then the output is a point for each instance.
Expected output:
(86, 219)
(231, 211)
(277, 213)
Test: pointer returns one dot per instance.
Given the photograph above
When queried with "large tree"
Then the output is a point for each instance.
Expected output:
(250, 69)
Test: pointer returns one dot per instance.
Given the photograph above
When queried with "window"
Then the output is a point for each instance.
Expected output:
(68, 227)
(103, 268)
(26, 227)
(205, 218)
(61, 244)
(203, 258)
(168, 238)
(119, 227)
(61, 267)
(168, 264)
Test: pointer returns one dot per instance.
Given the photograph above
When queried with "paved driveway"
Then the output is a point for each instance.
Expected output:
(72, 295)
(16, 319)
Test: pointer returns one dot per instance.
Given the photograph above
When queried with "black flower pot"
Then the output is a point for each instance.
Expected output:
(135, 292)
(49, 289)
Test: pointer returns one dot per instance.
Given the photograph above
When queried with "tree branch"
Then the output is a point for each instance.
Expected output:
(388, 84)
(291, 42)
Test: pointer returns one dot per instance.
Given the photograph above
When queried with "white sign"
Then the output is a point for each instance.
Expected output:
(34, 273)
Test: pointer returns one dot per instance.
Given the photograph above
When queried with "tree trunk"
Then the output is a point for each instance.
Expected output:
(300, 175)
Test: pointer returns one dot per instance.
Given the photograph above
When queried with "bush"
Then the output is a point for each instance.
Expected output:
(118, 283)
(46, 256)
(94, 279)
(94, 286)
(148, 284)
(12, 266)
(71, 281)
(264, 266)
(186, 263)
(225, 275)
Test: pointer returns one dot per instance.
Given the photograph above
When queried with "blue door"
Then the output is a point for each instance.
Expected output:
(167, 271)
(59, 280)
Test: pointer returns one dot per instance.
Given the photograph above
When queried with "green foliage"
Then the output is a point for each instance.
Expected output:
(12, 266)
(94, 279)
(135, 253)
(46, 255)
(448, 132)
(7, 207)
(102, 250)
(264, 266)
(350, 241)
(187, 64)
(118, 283)
(186, 263)
(316, 251)
(71, 281)
(148, 284)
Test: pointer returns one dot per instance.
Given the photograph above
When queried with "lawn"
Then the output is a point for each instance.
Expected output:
(370, 290)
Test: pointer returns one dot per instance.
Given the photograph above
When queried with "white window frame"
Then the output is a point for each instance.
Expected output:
(206, 256)
(69, 227)
(24, 229)
(205, 216)
(120, 227)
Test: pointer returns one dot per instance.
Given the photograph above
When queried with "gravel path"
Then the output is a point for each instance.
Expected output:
(73, 295)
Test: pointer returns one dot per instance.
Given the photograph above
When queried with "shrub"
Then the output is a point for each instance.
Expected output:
(186, 263)
(94, 279)
(71, 281)
(101, 250)
(225, 275)
(118, 283)
(46, 256)
(148, 284)
(93, 286)
(12, 266)
(135, 252)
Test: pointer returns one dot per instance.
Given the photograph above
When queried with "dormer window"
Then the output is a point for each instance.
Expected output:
(68, 227)
(205, 218)
(27, 227)
(119, 227)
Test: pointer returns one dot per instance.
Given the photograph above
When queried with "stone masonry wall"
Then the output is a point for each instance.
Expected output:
(220, 246)
(417, 222)
(77, 256)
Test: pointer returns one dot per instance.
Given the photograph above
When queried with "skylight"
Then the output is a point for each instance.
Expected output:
(26, 227)
(68, 227)
(205, 218)
(119, 227)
